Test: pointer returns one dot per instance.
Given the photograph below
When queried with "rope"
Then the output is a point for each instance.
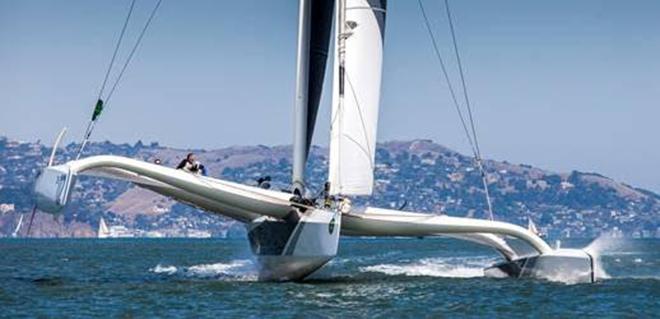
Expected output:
(137, 43)
(462, 76)
(470, 133)
(446, 76)
(34, 211)
(92, 123)
(114, 55)
(469, 109)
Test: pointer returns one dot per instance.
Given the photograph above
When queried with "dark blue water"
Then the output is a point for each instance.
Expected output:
(370, 278)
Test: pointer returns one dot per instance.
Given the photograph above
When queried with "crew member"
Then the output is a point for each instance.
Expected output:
(264, 182)
(189, 164)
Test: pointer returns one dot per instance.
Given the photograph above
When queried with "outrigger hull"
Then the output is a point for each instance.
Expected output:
(564, 265)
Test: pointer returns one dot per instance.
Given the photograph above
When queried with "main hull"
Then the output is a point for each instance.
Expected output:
(287, 268)
(294, 247)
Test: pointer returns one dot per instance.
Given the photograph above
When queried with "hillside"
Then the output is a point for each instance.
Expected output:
(426, 176)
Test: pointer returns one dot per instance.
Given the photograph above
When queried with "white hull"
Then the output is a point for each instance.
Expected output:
(293, 249)
(562, 265)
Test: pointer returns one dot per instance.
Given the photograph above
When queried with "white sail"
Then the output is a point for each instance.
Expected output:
(103, 231)
(356, 95)
(18, 227)
(532, 227)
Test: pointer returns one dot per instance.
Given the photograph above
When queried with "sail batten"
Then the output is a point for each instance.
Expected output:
(356, 95)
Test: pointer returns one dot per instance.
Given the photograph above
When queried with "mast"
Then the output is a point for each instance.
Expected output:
(341, 64)
(341, 46)
(314, 29)
(300, 107)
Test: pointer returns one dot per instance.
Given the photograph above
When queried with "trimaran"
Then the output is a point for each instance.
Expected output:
(290, 235)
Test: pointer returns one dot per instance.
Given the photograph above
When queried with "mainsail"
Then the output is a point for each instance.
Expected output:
(314, 31)
(356, 95)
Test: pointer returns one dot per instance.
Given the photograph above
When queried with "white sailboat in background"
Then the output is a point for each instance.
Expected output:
(103, 231)
(291, 234)
(18, 227)
(117, 231)
(531, 226)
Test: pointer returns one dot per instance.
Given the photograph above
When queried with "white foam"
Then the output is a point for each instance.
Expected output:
(452, 267)
(242, 270)
(604, 244)
(233, 268)
(159, 269)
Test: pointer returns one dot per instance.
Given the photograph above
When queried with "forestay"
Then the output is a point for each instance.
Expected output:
(356, 95)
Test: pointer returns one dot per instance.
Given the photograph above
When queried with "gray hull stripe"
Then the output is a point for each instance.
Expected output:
(293, 240)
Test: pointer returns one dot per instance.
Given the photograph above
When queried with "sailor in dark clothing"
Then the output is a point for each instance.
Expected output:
(189, 164)
(264, 182)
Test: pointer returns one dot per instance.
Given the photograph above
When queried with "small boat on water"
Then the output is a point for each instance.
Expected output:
(103, 231)
(117, 231)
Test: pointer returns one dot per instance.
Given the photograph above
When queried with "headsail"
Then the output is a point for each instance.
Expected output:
(315, 24)
(356, 95)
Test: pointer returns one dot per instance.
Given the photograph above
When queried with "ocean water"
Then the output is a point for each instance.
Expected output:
(213, 278)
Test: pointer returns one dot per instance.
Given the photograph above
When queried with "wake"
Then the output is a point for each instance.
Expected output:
(236, 270)
(446, 267)
(627, 255)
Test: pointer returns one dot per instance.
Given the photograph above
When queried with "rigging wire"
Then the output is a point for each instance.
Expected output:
(114, 54)
(471, 133)
(462, 76)
(478, 158)
(446, 76)
(137, 43)
(100, 101)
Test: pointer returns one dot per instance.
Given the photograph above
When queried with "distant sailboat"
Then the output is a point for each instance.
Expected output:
(103, 231)
(18, 227)
(532, 227)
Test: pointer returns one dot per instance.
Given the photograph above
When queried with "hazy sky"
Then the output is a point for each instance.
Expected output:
(557, 84)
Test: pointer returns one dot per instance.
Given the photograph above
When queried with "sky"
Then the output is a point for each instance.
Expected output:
(562, 85)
